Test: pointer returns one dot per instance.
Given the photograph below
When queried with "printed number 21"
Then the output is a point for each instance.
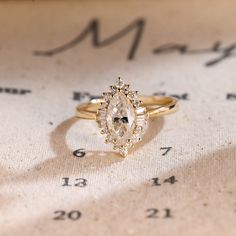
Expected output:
(154, 213)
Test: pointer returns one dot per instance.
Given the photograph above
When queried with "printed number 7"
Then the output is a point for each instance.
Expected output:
(167, 149)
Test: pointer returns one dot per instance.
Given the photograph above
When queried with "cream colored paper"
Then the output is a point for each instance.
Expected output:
(39, 133)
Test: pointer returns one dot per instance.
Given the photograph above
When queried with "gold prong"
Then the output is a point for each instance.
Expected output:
(103, 131)
(113, 88)
(123, 151)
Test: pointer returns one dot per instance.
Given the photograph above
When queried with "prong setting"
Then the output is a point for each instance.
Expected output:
(121, 117)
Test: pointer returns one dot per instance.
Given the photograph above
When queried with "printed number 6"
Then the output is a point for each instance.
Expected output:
(79, 153)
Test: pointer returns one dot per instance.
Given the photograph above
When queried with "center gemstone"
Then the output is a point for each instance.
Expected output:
(121, 118)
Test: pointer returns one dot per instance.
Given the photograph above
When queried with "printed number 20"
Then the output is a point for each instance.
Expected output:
(63, 215)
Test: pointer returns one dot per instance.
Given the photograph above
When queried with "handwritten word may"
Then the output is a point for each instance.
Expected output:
(137, 28)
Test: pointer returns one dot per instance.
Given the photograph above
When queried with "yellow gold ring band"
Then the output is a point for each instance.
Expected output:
(155, 106)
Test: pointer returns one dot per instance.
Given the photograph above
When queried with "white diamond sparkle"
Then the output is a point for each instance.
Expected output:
(121, 118)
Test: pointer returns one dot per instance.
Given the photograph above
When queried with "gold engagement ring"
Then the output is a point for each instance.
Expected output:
(123, 115)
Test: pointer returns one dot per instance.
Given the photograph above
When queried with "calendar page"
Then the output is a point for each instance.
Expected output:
(58, 177)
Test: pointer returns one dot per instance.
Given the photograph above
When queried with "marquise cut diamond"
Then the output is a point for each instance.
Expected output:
(121, 117)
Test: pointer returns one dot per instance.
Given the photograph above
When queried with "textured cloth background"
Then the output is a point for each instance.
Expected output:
(39, 133)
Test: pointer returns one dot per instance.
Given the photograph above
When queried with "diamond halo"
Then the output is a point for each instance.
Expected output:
(121, 117)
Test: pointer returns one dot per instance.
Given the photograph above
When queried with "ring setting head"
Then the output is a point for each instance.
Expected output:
(121, 117)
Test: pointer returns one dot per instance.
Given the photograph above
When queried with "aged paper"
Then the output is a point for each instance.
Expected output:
(179, 181)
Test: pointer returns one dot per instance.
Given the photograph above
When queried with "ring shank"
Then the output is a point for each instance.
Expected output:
(155, 106)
